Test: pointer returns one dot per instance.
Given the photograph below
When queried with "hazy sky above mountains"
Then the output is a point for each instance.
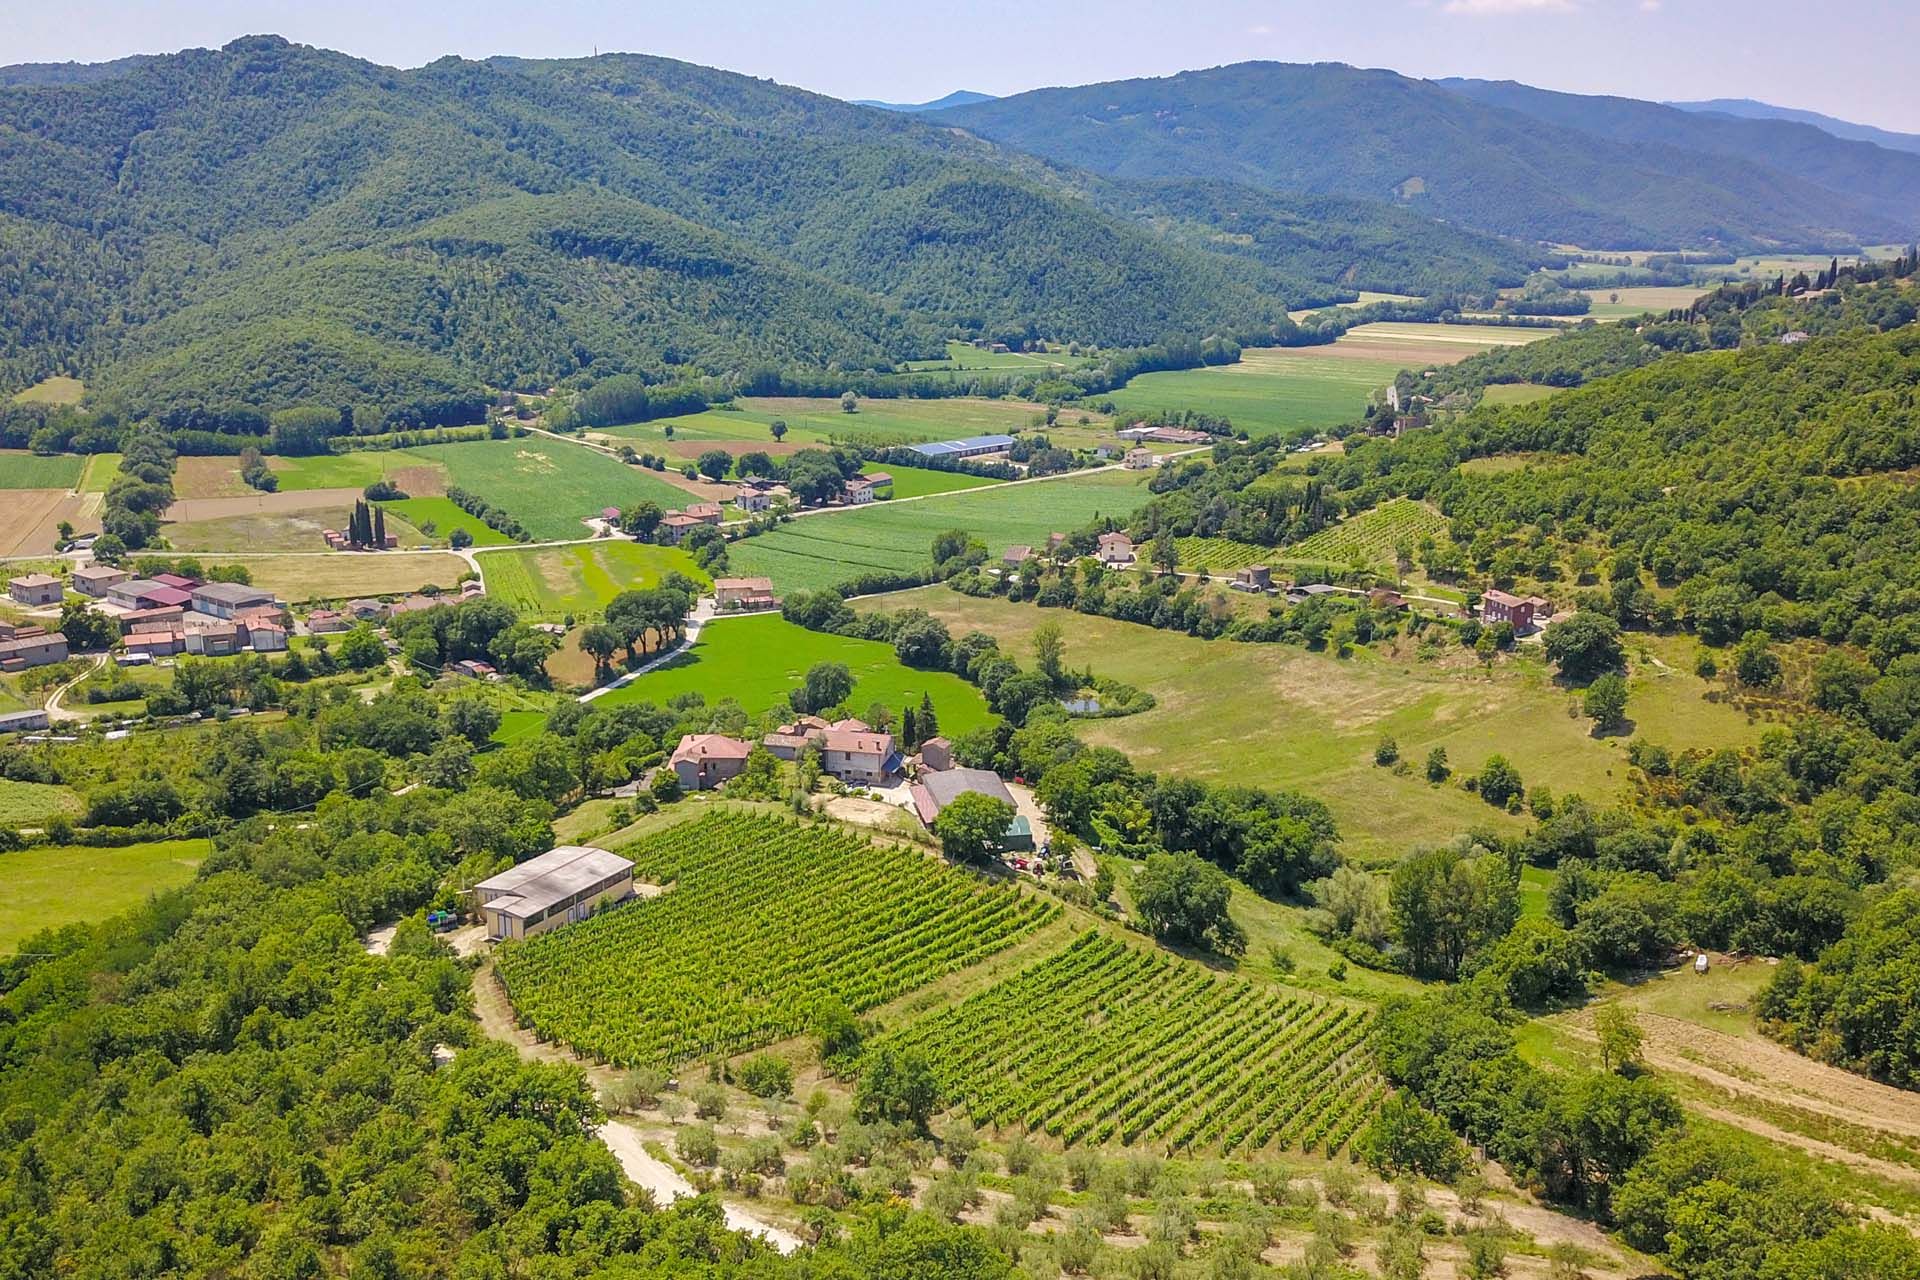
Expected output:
(1849, 58)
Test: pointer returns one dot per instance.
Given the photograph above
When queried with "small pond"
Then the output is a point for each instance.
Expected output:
(1088, 705)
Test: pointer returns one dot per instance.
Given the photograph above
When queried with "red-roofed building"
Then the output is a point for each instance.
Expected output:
(736, 594)
(1501, 606)
(703, 761)
(859, 754)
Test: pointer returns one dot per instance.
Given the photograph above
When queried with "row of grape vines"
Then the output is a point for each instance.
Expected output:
(1371, 536)
(1219, 555)
(765, 918)
(1103, 1042)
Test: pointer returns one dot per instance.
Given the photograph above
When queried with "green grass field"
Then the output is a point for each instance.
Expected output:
(1283, 716)
(920, 482)
(818, 421)
(964, 356)
(551, 582)
(54, 390)
(1634, 300)
(60, 885)
(100, 471)
(445, 517)
(820, 551)
(1515, 393)
(1268, 392)
(515, 725)
(22, 470)
(344, 470)
(757, 661)
(550, 486)
(28, 804)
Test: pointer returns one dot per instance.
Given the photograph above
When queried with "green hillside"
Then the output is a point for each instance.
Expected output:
(1333, 129)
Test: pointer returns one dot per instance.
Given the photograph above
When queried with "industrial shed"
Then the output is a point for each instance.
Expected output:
(558, 887)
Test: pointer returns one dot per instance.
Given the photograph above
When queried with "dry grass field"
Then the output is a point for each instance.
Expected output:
(30, 519)
(339, 575)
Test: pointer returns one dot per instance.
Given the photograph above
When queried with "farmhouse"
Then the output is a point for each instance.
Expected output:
(675, 526)
(473, 669)
(32, 647)
(21, 721)
(1116, 548)
(858, 491)
(790, 741)
(1139, 459)
(558, 887)
(322, 621)
(214, 642)
(752, 500)
(935, 789)
(1386, 598)
(156, 642)
(96, 580)
(703, 761)
(229, 599)
(704, 512)
(365, 610)
(1255, 577)
(971, 447)
(1017, 556)
(857, 753)
(1500, 606)
(35, 588)
(732, 595)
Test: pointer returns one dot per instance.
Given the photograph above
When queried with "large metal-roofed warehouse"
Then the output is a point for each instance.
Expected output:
(558, 887)
(971, 447)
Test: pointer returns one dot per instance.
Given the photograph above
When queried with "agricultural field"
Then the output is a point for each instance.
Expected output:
(100, 471)
(445, 518)
(417, 476)
(1104, 1042)
(1310, 720)
(1370, 537)
(817, 420)
(30, 519)
(548, 485)
(765, 918)
(552, 582)
(819, 551)
(1617, 304)
(921, 482)
(1219, 555)
(29, 804)
(758, 660)
(55, 885)
(1270, 391)
(20, 469)
(303, 577)
(272, 529)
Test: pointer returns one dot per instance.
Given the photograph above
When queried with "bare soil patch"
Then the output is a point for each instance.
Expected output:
(187, 510)
(209, 478)
(30, 519)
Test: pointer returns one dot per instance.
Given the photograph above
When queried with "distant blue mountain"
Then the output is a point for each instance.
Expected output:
(958, 98)
(1748, 109)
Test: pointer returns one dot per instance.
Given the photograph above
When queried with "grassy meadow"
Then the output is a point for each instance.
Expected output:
(758, 660)
(551, 582)
(921, 482)
(445, 518)
(340, 575)
(56, 885)
(548, 485)
(55, 390)
(1284, 716)
(275, 531)
(819, 551)
(28, 804)
(358, 470)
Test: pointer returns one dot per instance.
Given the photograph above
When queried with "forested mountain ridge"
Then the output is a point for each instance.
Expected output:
(1335, 129)
(1749, 109)
(364, 231)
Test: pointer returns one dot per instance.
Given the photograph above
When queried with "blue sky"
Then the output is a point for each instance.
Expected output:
(1855, 62)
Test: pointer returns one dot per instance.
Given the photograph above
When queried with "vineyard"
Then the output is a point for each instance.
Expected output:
(765, 918)
(1220, 555)
(1369, 537)
(1102, 1042)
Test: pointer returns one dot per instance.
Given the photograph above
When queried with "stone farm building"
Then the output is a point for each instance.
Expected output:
(96, 580)
(703, 761)
(35, 588)
(558, 887)
(732, 595)
(857, 753)
(935, 789)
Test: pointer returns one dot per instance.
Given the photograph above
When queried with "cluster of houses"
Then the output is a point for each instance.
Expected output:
(157, 617)
(854, 752)
(347, 616)
(676, 525)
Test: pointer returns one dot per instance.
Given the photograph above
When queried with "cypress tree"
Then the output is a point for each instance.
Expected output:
(379, 526)
(929, 723)
(907, 726)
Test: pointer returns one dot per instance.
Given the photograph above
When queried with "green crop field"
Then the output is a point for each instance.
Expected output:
(1515, 393)
(515, 725)
(921, 482)
(1269, 391)
(101, 469)
(56, 885)
(1371, 536)
(445, 517)
(819, 420)
(964, 357)
(1105, 1042)
(821, 551)
(29, 804)
(353, 470)
(550, 486)
(22, 470)
(757, 661)
(1280, 715)
(766, 918)
(551, 582)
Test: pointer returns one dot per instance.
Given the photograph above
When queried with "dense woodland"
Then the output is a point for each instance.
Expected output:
(278, 225)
